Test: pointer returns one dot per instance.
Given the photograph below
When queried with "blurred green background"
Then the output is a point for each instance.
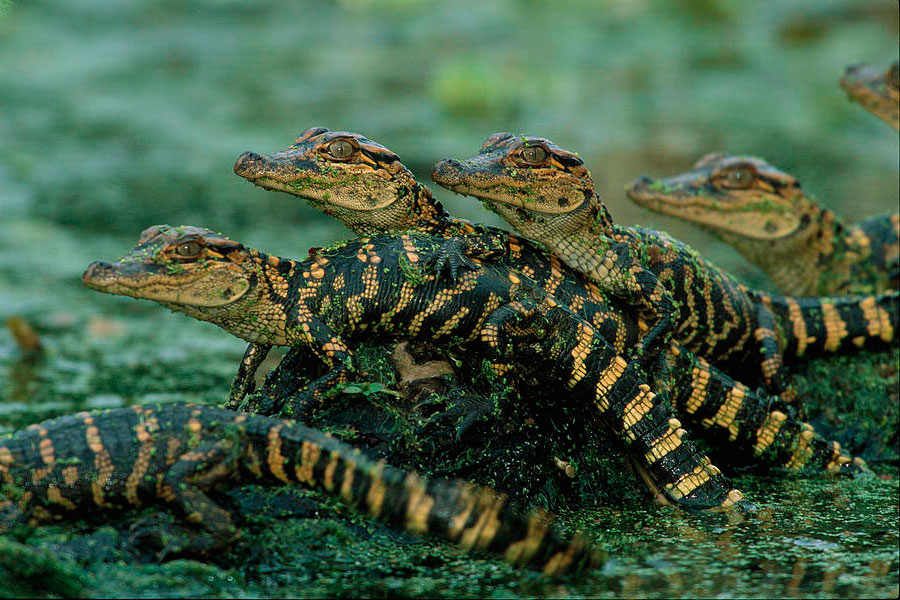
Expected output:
(115, 116)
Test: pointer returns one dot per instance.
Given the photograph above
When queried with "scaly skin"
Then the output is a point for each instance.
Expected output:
(175, 455)
(546, 193)
(877, 92)
(372, 289)
(764, 214)
(713, 403)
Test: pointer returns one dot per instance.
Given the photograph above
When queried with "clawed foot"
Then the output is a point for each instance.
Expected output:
(450, 257)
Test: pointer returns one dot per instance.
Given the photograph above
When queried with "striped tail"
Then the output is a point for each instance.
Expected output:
(616, 390)
(837, 325)
(471, 516)
(766, 428)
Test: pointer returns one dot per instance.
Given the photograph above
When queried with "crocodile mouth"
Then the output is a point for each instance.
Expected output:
(729, 215)
(277, 175)
(184, 288)
(451, 174)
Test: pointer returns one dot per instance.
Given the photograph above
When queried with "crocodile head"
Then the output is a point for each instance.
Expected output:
(345, 175)
(877, 92)
(740, 195)
(531, 182)
(188, 269)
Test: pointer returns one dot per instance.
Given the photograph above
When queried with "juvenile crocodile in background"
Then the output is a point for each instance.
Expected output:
(877, 92)
(547, 194)
(176, 455)
(764, 214)
(366, 187)
(365, 289)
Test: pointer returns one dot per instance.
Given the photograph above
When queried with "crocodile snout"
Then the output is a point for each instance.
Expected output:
(639, 188)
(248, 163)
(447, 171)
(97, 272)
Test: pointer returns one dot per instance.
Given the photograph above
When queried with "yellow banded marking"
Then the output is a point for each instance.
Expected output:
(418, 504)
(579, 353)
(54, 494)
(309, 456)
(690, 481)
(347, 483)
(274, 457)
(102, 461)
(375, 497)
(835, 327)
(69, 475)
(330, 470)
(141, 464)
(482, 533)
(467, 498)
(636, 409)
(699, 383)
(802, 452)
(799, 326)
(870, 313)
(666, 444)
(521, 552)
(766, 433)
(727, 413)
(452, 322)
(608, 377)
(559, 562)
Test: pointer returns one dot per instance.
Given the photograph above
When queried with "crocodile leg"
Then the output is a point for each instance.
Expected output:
(243, 383)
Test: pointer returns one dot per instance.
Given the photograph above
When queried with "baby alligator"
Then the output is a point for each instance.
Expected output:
(366, 187)
(371, 289)
(766, 216)
(546, 193)
(177, 454)
(878, 93)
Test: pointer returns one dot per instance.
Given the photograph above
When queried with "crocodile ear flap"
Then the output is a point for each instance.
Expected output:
(495, 138)
(310, 133)
(708, 160)
(222, 245)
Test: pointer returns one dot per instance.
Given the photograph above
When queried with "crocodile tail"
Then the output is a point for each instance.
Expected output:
(471, 516)
(765, 427)
(835, 325)
(616, 391)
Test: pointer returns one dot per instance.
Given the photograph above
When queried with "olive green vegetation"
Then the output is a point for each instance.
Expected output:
(120, 116)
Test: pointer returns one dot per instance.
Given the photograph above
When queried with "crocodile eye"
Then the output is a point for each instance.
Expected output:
(340, 149)
(534, 155)
(188, 249)
(740, 177)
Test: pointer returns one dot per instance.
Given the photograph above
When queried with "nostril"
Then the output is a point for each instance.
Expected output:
(246, 160)
(96, 270)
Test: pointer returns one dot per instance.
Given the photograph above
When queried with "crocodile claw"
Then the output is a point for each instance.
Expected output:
(450, 256)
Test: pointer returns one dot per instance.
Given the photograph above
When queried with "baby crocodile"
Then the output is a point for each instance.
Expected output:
(547, 194)
(342, 163)
(176, 455)
(878, 93)
(764, 213)
(371, 289)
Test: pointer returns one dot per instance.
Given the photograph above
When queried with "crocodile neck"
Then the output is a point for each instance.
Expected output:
(263, 315)
(801, 261)
(414, 210)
